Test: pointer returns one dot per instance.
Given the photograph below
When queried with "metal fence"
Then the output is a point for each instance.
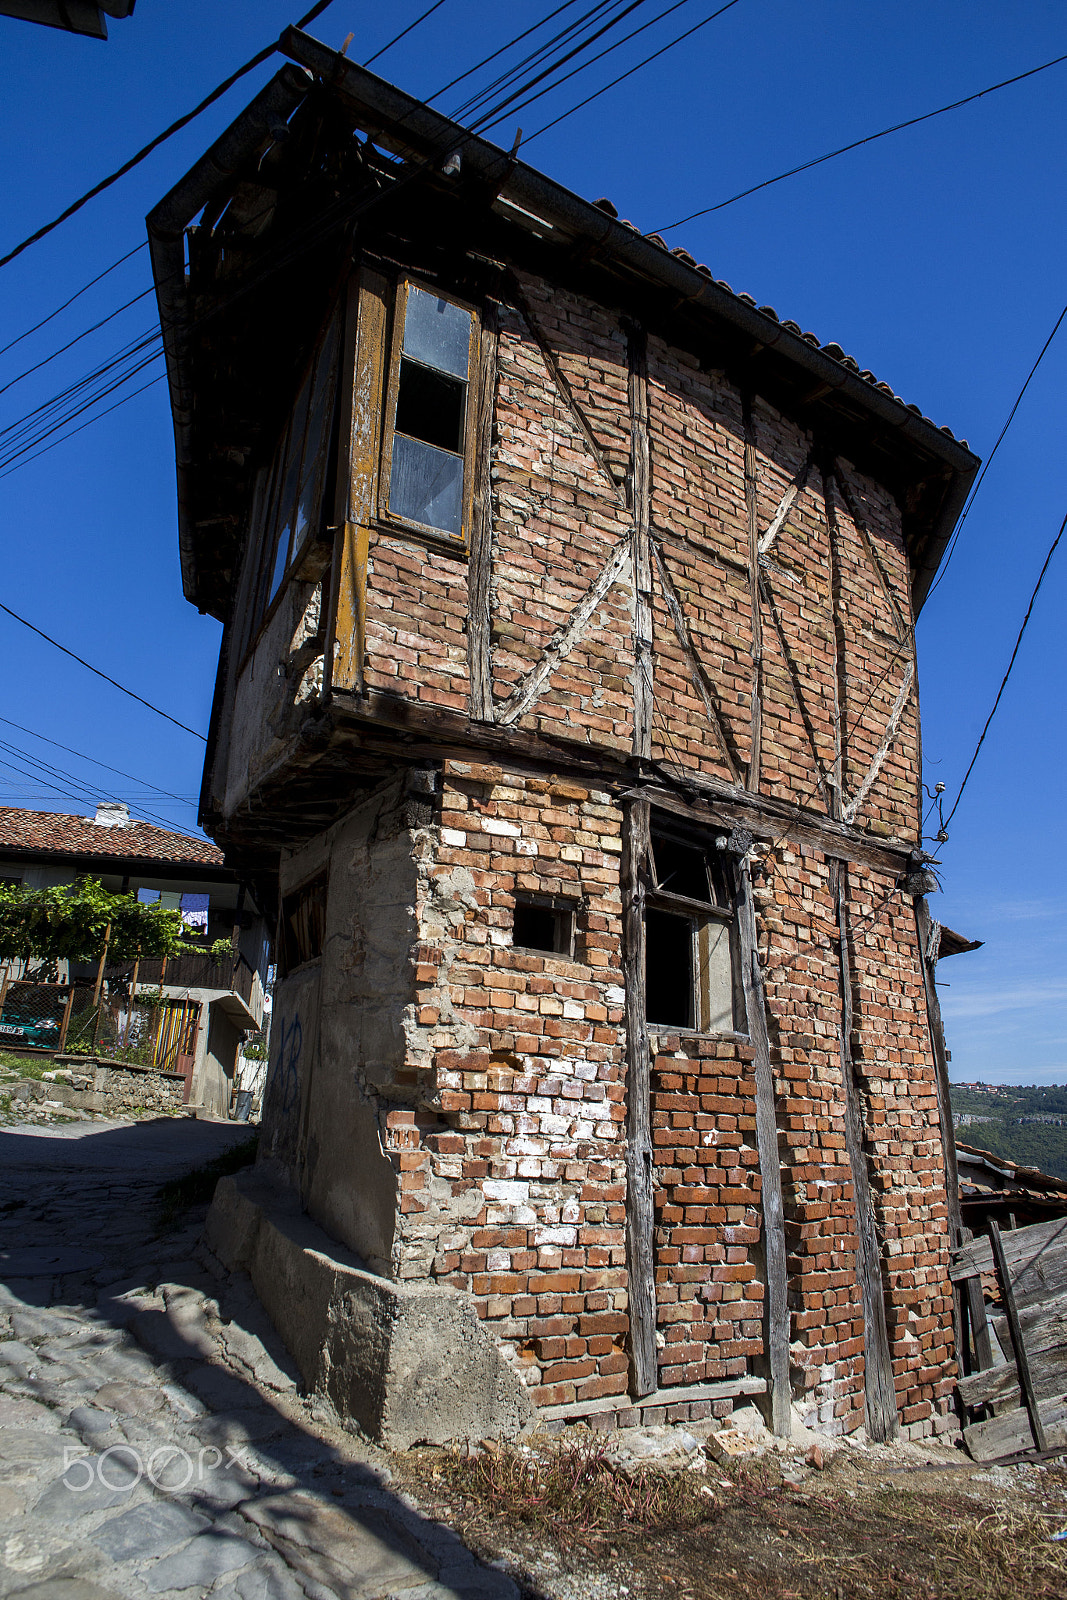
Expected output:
(152, 1031)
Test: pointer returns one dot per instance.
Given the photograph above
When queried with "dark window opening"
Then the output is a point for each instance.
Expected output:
(304, 923)
(668, 970)
(543, 927)
(689, 942)
(430, 406)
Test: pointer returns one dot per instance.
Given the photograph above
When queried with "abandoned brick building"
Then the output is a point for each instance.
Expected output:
(567, 714)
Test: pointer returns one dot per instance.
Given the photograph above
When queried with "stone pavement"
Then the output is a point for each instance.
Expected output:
(153, 1440)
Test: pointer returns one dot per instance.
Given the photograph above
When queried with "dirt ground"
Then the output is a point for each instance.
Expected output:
(907, 1521)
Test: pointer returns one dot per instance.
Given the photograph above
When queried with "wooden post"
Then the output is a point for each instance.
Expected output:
(879, 1388)
(776, 1318)
(974, 1305)
(100, 984)
(479, 569)
(1022, 1364)
(64, 1025)
(640, 490)
(3, 990)
(640, 1258)
(976, 1313)
(752, 513)
(839, 700)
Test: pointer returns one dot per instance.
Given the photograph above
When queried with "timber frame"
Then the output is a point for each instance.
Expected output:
(736, 653)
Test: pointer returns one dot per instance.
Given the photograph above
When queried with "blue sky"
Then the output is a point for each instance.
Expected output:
(935, 257)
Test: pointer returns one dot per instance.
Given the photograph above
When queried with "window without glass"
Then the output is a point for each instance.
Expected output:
(426, 448)
(543, 925)
(304, 923)
(287, 506)
(689, 937)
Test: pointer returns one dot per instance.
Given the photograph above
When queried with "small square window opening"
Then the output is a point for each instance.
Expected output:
(539, 926)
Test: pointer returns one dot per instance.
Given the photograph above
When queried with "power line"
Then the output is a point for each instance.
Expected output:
(989, 458)
(640, 65)
(911, 122)
(160, 138)
(69, 784)
(184, 799)
(403, 32)
(1007, 675)
(75, 296)
(90, 668)
(10, 384)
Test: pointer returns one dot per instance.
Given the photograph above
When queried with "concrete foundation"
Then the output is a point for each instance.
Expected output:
(408, 1363)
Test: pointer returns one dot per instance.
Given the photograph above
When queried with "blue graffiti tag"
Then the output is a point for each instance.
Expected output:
(292, 1042)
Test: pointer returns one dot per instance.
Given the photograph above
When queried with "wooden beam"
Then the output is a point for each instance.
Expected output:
(849, 811)
(559, 378)
(479, 567)
(880, 1390)
(752, 512)
(566, 637)
(640, 498)
(640, 1259)
(360, 449)
(1022, 1364)
(697, 673)
(785, 506)
(860, 525)
(776, 1311)
(794, 683)
(840, 700)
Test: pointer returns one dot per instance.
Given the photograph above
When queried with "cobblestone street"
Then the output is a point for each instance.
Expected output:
(153, 1440)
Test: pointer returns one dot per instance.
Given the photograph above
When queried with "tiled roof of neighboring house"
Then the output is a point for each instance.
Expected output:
(58, 834)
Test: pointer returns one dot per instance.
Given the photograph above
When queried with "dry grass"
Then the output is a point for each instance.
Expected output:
(746, 1535)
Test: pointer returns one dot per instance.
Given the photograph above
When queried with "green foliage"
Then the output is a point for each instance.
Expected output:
(1006, 1133)
(72, 922)
(257, 1048)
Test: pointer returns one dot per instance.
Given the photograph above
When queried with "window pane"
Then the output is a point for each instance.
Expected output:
(681, 869)
(536, 928)
(715, 978)
(437, 332)
(426, 485)
(318, 438)
(281, 561)
(430, 407)
(668, 969)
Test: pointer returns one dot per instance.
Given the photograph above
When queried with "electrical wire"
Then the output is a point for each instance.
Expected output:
(90, 668)
(183, 799)
(870, 138)
(75, 296)
(160, 138)
(1007, 675)
(403, 32)
(989, 458)
(10, 384)
(71, 784)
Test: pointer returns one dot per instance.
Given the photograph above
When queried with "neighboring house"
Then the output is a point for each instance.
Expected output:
(209, 1005)
(567, 697)
(73, 16)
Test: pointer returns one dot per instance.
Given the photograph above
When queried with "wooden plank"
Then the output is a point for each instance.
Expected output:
(1009, 1433)
(880, 1390)
(639, 1204)
(566, 637)
(362, 454)
(1018, 1344)
(860, 525)
(479, 567)
(1039, 1250)
(697, 673)
(751, 512)
(785, 506)
(995, 1386)
(776, 1318)
(640, 497)
(848, 813)
(727, 1389)
(559, 378)
(973, 1301)
(837, 633)
(793, 675)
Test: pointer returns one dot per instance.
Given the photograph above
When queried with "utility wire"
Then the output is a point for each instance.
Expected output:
(89, 667)
(75, 296)
(10, 384)
(989, 458)
(160, 138)
(403, 32)
(1007, 675)
(184, 799)
(71, 784)
(856, 144)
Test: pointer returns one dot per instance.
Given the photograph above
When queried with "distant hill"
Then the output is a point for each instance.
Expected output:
(1028, 1125)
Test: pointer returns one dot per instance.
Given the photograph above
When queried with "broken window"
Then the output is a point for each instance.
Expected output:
(545, 925)
(427, 443)
(304, 923)
(287, 505)
(689, 936)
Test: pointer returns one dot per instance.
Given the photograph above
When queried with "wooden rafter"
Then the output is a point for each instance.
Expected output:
(697, 672)
(566, 636)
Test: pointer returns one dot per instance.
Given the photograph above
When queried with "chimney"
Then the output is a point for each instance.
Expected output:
(112, 814)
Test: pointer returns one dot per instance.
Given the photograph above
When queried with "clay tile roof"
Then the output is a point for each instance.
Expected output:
(58, 834)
